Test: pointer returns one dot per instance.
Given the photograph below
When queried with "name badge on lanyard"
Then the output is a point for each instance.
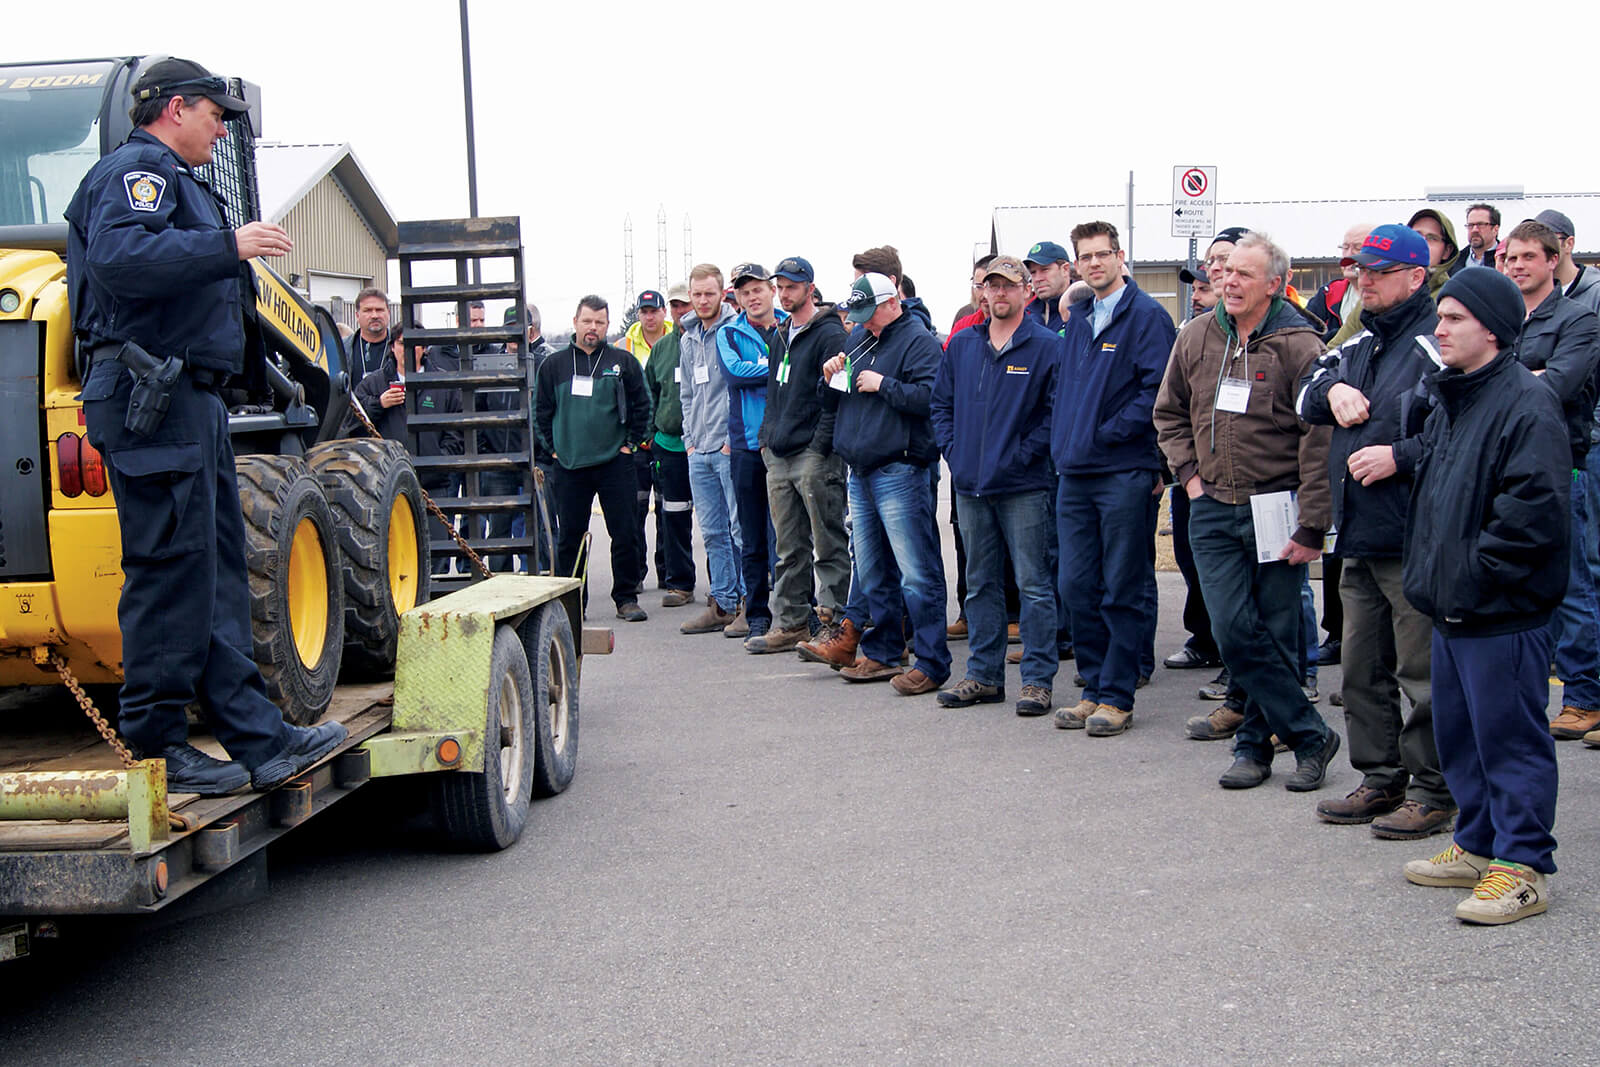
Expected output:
(582, 385)
(702, 374)
(1233, 395)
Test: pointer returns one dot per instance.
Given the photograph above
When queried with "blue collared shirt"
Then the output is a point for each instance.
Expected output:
(1101, 313)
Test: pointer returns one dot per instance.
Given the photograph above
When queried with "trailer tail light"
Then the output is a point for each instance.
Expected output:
(82, 468)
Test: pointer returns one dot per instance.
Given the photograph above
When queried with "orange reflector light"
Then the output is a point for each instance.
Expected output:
(94, 470)
(161, 878)
(449, 751)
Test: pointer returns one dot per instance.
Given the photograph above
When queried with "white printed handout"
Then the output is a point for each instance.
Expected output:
(1276, 515)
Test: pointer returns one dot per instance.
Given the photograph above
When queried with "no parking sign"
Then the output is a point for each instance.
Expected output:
(1194, 201)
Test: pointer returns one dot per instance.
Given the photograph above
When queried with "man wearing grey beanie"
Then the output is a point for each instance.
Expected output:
(1486, 560)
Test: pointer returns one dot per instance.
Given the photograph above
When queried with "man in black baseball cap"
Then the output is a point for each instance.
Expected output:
(167, 78)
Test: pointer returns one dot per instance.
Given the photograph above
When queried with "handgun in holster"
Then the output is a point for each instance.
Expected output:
(154, 381)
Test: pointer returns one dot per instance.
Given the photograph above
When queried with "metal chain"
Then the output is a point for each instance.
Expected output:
(91, 711)
(433, 509)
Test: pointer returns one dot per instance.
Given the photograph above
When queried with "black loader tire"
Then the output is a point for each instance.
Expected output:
(296, 588)
(547, 634)
(383, 533)
(485, 810)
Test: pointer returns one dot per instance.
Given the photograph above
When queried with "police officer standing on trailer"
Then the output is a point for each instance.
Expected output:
(156, 280)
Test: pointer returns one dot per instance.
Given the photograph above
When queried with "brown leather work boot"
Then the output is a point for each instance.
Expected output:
(837, 651)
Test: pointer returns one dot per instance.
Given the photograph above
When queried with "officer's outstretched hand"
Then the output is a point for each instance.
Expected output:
(262, 239)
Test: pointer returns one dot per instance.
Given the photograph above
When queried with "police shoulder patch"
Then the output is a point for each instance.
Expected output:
(145, 189)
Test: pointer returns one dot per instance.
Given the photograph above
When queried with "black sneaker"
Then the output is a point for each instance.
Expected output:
(631, 612)
(1328, 652)
(191, 771)
(1311, 771)
(307, 745)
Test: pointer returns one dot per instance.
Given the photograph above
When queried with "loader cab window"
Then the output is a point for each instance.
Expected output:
(49, 137)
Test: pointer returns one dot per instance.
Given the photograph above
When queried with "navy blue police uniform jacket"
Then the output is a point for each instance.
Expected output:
(150, 259)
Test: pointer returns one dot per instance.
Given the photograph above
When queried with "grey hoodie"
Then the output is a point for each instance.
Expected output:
(702, 386)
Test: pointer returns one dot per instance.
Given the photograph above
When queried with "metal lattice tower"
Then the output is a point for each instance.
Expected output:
(661, 248)
(627, 259)
(688, 247)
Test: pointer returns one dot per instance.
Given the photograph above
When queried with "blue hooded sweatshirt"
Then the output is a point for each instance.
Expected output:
(743, 353)
(991, 411)
(1106, 390)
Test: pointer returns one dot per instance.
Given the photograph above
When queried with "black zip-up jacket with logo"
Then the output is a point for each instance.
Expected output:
(1487, 532)
(1387, 362)
(1562, 338)
(391, 422)
(795, 419)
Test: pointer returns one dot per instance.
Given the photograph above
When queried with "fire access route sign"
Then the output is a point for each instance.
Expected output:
(1194, 201)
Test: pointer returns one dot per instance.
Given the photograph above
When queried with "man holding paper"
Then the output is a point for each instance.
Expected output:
(1369, 391)
(1226, 422)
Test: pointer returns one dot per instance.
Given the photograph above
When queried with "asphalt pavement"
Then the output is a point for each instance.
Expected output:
(760, 863)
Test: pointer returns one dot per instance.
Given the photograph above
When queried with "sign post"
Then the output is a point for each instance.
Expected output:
(1194, 211)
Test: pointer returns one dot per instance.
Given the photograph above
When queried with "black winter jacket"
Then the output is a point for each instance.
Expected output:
(391, 422)
(1562, 338)
(795, 419)
(1487, 533)
(1387, 362)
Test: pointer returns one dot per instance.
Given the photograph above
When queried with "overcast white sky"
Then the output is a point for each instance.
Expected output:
(822, 128)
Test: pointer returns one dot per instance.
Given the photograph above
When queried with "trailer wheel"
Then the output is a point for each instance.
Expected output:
(486, 810)
(383, 533)
(296, 590)
(551, 654)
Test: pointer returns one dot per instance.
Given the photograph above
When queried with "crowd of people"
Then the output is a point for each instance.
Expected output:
(1422, 424)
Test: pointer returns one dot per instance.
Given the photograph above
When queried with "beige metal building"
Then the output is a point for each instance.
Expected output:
(344, 234)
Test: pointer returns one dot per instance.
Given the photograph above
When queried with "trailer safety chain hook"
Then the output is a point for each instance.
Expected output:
(91, 711)
(433, 509)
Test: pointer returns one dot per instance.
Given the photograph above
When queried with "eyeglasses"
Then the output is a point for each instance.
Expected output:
(1350, 249)
(1385, 270)
(1431, 238)
(1098, 257)
(1480, 225)
(1001, 286)
(1217, 261)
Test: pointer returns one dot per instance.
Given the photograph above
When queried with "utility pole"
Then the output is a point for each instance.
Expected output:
(627, 259)
(661, 247)
(472, 146)
(688, 248)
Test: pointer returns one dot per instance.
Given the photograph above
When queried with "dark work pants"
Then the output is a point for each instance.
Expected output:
(1332, 598)
(1388, 645)
(499, 523)
(1255, 617)
(1489, 719)
(644, 479)
(1195, 618)
(757, 549)
(185, 606)
(676, 535)
(613, 481)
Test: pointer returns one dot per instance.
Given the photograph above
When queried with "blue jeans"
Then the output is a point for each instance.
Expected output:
(1575, 627)
(1256, 619)
(992, 524)
(891, 513)
(1103, 524)
(711, 486)
(1308, 630)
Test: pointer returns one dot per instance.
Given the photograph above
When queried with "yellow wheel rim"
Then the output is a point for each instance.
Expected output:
(308, 593)
(404, 566)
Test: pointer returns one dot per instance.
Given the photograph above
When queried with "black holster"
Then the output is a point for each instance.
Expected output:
(154, 381)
